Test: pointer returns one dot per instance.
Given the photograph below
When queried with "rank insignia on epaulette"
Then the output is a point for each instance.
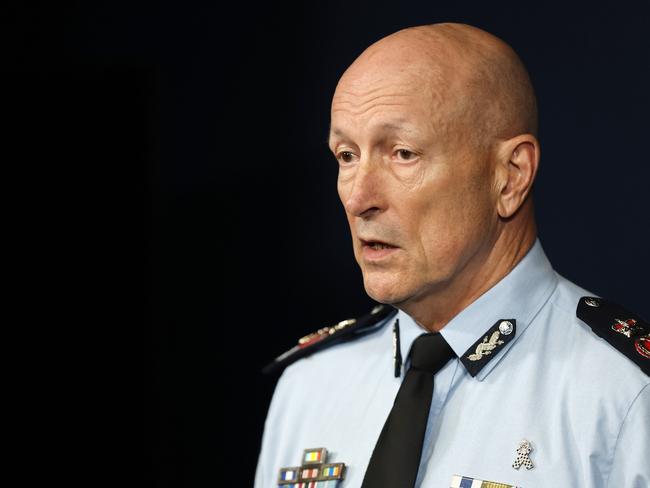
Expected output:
(627, 327)
(625, 331)
(315, 472)
(642, 346)
(325, 337)
(320, 334)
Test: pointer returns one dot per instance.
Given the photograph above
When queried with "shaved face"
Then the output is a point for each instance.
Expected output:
(414, 123)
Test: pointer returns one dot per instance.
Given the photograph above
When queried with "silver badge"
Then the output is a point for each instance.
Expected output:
(505, 327)
(592, 302)
(523, 459)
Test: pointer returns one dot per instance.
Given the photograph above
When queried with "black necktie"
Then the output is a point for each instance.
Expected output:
(394, 462)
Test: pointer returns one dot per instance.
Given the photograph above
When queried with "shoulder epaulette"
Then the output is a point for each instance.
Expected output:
(627, 332)
(345, 330)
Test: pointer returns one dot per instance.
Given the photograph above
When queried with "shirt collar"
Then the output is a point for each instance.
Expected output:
(519, 295)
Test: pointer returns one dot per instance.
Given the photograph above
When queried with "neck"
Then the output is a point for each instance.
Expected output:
(434, 310)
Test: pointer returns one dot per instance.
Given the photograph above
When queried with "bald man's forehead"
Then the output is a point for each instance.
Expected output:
(407, 119)
(378, 129)
(386, 102)
(372, 85)
(380, 96)
(405, 66)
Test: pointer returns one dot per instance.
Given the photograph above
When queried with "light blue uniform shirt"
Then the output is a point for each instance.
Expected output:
(583, 406)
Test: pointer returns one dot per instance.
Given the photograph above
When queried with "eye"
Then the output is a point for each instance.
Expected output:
(405, 155)
(345, 156)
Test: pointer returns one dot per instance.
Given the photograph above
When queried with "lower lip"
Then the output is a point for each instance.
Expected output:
(371, 254)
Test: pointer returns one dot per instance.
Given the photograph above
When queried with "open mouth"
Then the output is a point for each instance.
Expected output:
(376, 245)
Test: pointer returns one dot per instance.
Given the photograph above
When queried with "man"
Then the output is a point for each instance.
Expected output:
(434, 128)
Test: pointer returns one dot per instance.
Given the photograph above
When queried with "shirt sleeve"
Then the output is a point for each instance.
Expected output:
(630, 468)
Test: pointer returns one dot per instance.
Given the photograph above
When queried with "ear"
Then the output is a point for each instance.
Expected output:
(516, 167)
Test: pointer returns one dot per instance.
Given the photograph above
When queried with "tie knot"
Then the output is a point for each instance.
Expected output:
(430, 352)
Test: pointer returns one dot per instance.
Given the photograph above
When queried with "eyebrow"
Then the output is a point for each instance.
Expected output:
(393, 126)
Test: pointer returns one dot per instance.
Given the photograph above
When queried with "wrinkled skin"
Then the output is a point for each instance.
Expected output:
(430, 170)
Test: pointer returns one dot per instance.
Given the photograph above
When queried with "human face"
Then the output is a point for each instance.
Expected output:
(419, 198)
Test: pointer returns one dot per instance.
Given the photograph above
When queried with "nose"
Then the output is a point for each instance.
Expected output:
(361, 194)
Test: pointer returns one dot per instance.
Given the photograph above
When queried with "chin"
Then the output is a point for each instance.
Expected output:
(387, 290)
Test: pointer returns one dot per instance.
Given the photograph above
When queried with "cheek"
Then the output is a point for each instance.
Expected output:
(456, 217)
(341, 190)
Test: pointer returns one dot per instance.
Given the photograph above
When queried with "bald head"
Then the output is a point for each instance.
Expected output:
(434, 130)
(476, 84)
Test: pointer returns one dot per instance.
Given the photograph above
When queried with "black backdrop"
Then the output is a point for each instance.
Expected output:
(172, 158)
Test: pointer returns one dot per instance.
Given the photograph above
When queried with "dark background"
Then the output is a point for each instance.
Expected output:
(176, 200)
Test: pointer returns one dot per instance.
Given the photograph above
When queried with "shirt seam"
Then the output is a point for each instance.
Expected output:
(549, 291)
(620, 430)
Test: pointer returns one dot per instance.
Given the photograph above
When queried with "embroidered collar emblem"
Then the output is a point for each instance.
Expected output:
(486, 347)
(489, 345)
